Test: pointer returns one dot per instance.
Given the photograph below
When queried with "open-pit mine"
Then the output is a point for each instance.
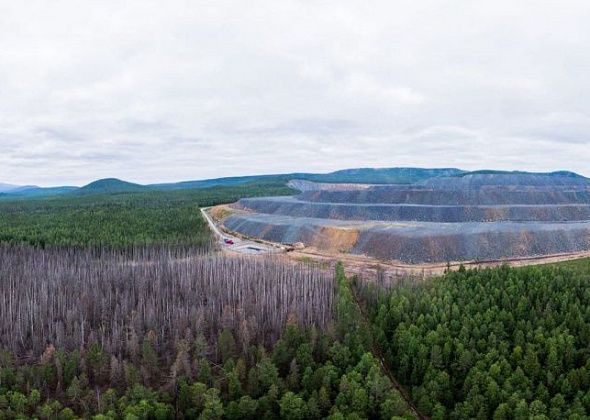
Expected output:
(477, 216)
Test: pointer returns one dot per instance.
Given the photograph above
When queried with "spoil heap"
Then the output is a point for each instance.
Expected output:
(474, 216)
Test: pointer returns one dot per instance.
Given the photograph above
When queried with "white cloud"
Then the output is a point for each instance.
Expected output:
(170, 90)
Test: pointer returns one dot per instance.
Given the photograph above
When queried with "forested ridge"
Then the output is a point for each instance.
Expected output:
(496, 343)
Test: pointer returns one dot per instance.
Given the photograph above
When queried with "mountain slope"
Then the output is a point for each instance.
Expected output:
(383, 175)
(357, 175)
(216, 182)
(110, 186)
(349, 176)
(40, 191)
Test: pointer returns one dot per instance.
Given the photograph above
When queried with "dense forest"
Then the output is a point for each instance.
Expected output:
(496, 343)
(120, 220)
(207, 337)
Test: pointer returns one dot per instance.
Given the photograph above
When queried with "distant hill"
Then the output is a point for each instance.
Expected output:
(559, 174)
(347, 176)
(110, 186)
(217, 182)
(33, 191)
(382, 175)
(5, 188)
(355, 176)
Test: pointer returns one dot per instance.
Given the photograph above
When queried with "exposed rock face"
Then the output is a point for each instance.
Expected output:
(477, 216)
(302, 185)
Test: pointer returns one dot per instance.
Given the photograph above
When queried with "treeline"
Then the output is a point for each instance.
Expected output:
(497, 343)
(198, 338)
(120, 220)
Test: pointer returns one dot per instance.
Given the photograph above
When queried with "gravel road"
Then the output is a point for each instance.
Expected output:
(240, 245)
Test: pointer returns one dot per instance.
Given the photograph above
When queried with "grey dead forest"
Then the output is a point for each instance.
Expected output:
(70, 299)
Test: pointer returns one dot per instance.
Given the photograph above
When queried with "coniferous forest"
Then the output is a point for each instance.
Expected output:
(120, 219)
(496, 343)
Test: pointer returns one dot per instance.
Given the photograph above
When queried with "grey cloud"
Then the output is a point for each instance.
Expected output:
(164, 91)
(133, 126)
(62, 135)
(309, 126)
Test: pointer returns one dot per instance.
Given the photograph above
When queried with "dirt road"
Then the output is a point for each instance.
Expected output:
(230, 242)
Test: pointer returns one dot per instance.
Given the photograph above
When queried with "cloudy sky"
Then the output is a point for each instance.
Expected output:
(154, 91)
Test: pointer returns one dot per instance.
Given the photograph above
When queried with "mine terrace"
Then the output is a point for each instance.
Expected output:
(477, 216)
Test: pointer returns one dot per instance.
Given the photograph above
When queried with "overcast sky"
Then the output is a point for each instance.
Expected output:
(153, 91)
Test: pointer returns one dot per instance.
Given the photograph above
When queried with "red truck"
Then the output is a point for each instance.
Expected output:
(228, 241)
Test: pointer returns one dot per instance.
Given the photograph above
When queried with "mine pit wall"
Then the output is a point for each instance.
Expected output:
(288, 206)
(479, 180)
(424, 245)
(275, 232)
(479, 217)
(482, 196)
(470, 246)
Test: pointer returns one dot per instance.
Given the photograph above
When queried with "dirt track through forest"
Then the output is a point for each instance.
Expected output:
(234, 243)
(378, 353)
